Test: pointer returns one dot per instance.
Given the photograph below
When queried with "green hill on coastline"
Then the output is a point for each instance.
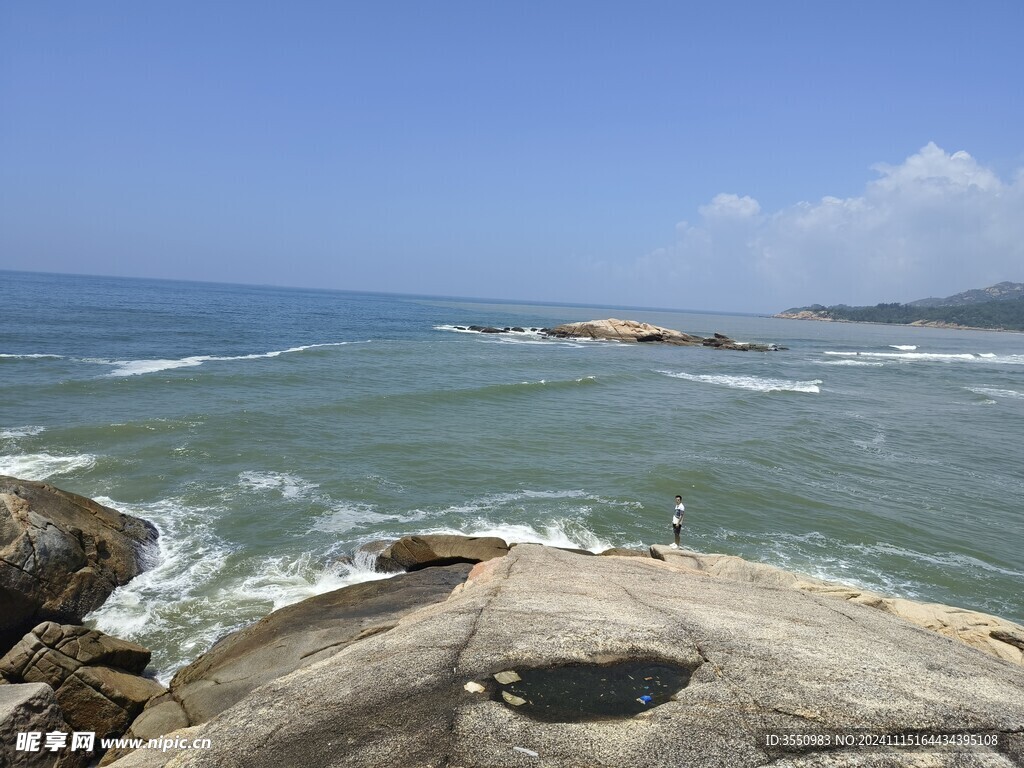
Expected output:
(998, 307)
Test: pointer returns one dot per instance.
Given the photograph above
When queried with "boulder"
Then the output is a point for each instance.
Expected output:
(97, 678)
(295, 636)
(727, 664)
(368, 556)
(990, 634)
(32, 708)
(410, 553)
(61, 555)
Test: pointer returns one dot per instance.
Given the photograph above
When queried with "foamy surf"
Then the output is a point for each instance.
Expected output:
(199, 588)
(13, 433)
(43, 466)
(751, 383)
(288, 485)
(558, 533)
(990, 392)
(7, 356)
(140, 367)
(285, 581)
(169, 606)
(932, 357)
(850, 363)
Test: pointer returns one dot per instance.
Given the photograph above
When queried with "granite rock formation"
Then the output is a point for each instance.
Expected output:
(990, 634)
(297, 636)
(630, 331)
(32, 708)
(410, 553)
(750, 659)
(61, 555)
(97, 678)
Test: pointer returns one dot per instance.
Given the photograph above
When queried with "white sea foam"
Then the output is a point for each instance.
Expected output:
(949, 560)
(904, 347)
(169, 602)
(557, 533)
(851, 363)
(139, 367)
(990, 392)
(284, 581)
(752, 383)
(42, 466)
(534, 332)
(30, 357)
(346, 516)
(13, 433)
(933, 357)
(288, 485)
(200, 588)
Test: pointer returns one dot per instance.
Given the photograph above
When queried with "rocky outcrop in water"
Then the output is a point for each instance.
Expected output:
(508, 669)
(630, 331)
(61, 555)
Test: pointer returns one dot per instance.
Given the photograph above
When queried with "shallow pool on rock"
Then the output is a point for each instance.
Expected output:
(593, 692)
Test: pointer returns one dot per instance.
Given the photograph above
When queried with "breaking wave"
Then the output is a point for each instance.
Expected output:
(751, 383)
(139, 367)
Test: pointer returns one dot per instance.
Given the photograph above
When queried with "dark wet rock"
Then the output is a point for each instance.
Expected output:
(96, 677)
(581, 692)
(33, 708)
(61, 555)
(411, 553)
(764, 659)
(368, 556)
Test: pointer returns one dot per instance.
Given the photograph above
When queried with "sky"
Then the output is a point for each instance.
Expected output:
(726, 156)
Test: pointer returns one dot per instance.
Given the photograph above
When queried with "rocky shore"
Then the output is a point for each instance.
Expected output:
(629, 331)
(483, 653)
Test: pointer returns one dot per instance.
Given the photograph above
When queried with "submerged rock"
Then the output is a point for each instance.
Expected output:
(61, 555)
(763, 660)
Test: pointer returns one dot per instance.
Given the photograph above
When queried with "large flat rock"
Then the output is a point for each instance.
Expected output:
(761, 660)
(296, 636)
(991, 634)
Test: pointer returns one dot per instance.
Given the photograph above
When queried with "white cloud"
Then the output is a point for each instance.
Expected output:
(726, 206)
(935, 224)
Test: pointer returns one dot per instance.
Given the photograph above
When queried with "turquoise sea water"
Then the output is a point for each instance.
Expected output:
(268, 432)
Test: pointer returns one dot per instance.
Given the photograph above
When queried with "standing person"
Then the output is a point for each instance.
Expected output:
(677, 521)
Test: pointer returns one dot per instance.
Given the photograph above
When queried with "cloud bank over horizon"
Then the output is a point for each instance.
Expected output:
(934, 225)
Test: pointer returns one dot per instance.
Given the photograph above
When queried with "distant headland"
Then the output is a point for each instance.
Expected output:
(999, 307)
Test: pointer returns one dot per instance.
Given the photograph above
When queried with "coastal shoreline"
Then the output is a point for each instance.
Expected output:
(928, 324)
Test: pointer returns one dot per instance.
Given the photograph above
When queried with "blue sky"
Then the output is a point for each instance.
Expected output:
(721, 156)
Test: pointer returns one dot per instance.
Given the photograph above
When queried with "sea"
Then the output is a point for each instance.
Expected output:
(271, 432)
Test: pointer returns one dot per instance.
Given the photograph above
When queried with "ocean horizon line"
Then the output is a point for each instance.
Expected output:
(394, 294)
